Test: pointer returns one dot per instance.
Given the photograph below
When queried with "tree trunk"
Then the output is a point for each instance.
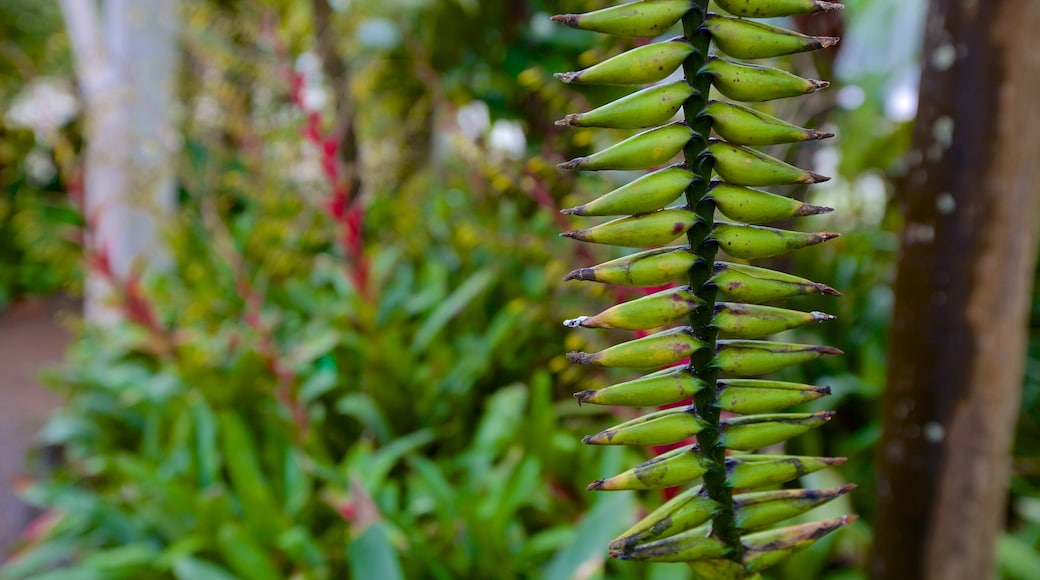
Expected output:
(959, 334)
(126, 57)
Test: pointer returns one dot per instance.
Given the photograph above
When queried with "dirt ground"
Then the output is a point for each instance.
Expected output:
(31, 339)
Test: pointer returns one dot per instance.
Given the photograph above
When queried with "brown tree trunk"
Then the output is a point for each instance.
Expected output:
(969, 247)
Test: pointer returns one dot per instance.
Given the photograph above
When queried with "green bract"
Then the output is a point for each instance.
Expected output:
(720, 534)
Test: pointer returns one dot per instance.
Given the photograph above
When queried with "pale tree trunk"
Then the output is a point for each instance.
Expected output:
(959, 333)
(126, 60)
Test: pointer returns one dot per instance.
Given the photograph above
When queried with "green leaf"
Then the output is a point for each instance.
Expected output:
(246, 557)
(609, 516)
(189, 568)
(451, 307)
(371, 555)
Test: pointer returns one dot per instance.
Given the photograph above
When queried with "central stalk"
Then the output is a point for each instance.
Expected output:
(700, 163)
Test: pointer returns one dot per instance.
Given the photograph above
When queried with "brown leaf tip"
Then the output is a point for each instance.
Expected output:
(827, 290)
(568, 121)
(568, 19)
(572, 164)
(808, 209)
(584, 274)
(580, 358)
(595, 485)
(816, 85)
(827, 41)
(822, 316)
(814, 135)
(817, 178)
(568, 77)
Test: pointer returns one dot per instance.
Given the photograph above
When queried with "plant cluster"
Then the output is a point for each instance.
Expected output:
(719, 532)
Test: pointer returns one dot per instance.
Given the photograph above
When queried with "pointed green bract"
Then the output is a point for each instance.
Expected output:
(747, 358)
(640, 66)
(765, 549)
(650, 268)
(742, 125)
(751, 396)
(688, 546)
(649, 193)
(649, 391)
(685, 511)
(755, 471)
(660, 428)
(753, 321)
(741, 38)
(646, 108)
(752, 242)
(756, 83)
(646, 18)
(657, 350)
(640, 231)
(755, 510)
(756, 285)
(757, 431)
(643, 151)
(752, 206)
(654, 311)
(669, 469)
(775, 8)
(743, 166)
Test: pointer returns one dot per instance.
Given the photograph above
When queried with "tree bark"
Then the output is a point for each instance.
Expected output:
(959, 333)
(126, 58)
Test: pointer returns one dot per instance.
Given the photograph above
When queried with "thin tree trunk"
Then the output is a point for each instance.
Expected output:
(969, 248)
(126, 57)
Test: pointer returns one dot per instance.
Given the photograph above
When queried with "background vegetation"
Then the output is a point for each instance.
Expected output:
(371, 381)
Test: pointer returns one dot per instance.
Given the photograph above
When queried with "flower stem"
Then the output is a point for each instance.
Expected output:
(701, 163)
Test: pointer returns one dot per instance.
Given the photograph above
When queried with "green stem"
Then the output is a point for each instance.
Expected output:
(700, 163)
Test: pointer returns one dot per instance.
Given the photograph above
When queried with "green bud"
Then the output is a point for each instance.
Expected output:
(757, 510)
(755, 471)
(649, 193)
(752, 206)
(744, 166)
(755, 285)
(657, 350)
(755, 83)
(752, 242)
(751, 396)
(745, 358)
(688, 546)
(764, 549)
(654, 311)
(647, 18)
(685, 511)
(741, 38)
(660, 428)
(676, 384)
(650, 268)
(669, 469)
(641, 231)
(646, 108)
(747, 433)
(642, 151)
(640, 66)
(775, 8)
(742, 125)
(750, 321)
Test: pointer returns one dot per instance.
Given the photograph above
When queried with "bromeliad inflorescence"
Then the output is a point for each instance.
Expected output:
(719, 532)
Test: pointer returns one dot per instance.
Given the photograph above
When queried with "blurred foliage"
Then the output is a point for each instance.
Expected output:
(263, 417)
(39, 252)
